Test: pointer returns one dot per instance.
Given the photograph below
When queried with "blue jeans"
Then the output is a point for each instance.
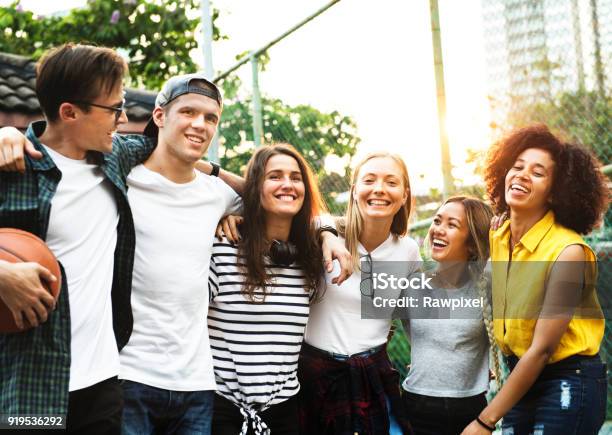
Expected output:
(149, 410)
(394, 427)
(569, 398)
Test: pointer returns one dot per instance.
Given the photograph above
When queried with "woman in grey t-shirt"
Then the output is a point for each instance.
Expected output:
(450, 326)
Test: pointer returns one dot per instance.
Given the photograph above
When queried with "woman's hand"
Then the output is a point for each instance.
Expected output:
(474, 428)
(228, 227)
(498, 220)
(12, 146)
(333, 248)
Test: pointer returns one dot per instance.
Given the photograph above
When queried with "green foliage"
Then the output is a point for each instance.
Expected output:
(477, 158)
(399, 349)
(21, 30)
(315, 134)
(156, 36)
(584, 117)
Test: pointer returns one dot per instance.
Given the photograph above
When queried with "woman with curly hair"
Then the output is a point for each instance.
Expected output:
(261, 291)
(449, 371)
(547, 319)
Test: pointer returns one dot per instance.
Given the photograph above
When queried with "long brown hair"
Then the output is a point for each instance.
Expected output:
(350, 227)
(478, 218)
(255, 247)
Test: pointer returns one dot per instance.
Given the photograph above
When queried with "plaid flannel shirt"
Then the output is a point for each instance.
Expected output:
(35, 364)
(347, 397)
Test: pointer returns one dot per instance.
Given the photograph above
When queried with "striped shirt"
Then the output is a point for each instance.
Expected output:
(255, 345)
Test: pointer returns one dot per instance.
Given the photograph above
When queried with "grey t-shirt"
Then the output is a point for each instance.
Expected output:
(450, 353)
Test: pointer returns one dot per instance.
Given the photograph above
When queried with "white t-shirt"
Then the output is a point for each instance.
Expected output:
(175, 226)
(335, 323)
(83, 234)
(449, 357)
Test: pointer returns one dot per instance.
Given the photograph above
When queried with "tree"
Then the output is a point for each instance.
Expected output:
(315, 134)
(583, 116)
(157, 37)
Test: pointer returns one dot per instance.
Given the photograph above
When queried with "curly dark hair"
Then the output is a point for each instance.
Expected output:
(579, 192)
(303, 233)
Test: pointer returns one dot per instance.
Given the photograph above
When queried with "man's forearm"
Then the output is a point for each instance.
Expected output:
(234, 181)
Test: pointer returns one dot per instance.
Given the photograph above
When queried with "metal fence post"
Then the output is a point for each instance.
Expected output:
(599, 69)
(257, 118)
(441, 97)
(207, 35)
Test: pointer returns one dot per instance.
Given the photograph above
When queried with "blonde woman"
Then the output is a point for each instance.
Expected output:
(348, 383)
(449, 371)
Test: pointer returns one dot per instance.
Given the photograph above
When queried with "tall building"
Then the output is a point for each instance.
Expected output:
(537, 49)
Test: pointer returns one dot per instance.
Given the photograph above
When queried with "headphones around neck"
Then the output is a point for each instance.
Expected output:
(283, 253)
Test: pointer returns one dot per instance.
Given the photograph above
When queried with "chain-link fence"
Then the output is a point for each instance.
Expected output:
(318, 135)
(253, 117)
(548, 61)
(329, 139)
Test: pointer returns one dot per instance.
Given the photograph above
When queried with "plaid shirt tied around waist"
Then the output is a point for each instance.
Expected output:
(35, 364)
(344, 397)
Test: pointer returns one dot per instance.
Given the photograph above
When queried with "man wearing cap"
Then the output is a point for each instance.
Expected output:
(165, 370)
(166, 367)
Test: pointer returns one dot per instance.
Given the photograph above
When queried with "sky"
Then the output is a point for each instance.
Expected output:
(370, 60)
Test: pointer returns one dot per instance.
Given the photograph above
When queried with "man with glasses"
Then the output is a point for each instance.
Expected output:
(74, 196)
(117, 109)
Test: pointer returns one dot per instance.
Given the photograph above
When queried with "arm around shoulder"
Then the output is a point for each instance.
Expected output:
(234, 181)
(132, 149)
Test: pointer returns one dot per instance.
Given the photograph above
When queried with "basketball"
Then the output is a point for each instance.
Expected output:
(17, 246)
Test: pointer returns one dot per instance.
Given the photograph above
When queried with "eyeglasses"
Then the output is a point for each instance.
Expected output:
(366, 286)
(117, 109)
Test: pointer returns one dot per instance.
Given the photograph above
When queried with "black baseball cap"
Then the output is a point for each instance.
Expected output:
(181, 85)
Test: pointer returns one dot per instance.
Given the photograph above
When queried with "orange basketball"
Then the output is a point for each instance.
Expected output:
(17, 246)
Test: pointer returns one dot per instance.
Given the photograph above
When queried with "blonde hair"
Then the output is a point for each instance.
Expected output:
(478, 218)
(351, 227)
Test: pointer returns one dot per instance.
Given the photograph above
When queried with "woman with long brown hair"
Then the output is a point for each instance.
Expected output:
(261, 291)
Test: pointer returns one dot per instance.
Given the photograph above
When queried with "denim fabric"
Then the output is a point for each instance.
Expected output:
(442, 415)
(149, 410)
(569, 399)
(394, 427)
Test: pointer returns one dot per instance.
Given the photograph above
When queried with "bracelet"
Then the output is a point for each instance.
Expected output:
(215, 169)
(329, 229)
(486, 426)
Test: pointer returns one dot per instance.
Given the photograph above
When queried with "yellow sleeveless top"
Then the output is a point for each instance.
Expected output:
(520, 287)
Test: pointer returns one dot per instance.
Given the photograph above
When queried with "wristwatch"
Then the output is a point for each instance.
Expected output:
(329, 229)
(215, 169)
